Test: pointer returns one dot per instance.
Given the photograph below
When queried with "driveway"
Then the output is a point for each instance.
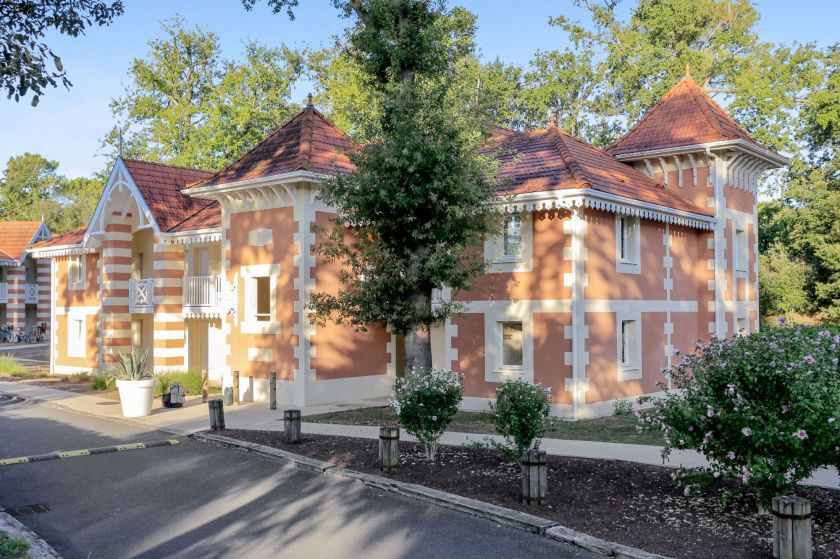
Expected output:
(197, 500)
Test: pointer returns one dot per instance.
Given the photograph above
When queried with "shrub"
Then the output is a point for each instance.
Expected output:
(9, 366)
(191, 380)
(163, 384)
(520, 414)
(133, 364)
(11, 548)
(425, 404)
(764, 408)
(622, 407)
(102, 382)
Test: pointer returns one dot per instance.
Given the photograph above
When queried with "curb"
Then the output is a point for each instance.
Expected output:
(474, 507)
(38, 548)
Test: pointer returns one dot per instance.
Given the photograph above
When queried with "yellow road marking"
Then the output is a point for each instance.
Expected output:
(85, 452)
(131, 446)
(72, 453)
(9, 461)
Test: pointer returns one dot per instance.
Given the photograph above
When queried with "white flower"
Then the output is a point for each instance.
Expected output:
(716, 475)
(831, 420)
(687, 490)
(730, 455)
(746, 431)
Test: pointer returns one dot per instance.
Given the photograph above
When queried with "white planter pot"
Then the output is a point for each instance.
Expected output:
(136, 396)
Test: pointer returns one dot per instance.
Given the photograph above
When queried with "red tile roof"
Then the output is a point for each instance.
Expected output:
(551, 159)
(208, 217)
(161, 185)
(685, 116)
(15, 237)
(74, 237)
(308, 142)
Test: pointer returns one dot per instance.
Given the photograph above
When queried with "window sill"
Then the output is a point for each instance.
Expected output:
(627, 267)
(259, 327)
(509, 370)
(629, 373)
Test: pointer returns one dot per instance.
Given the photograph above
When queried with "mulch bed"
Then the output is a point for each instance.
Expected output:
(634, 504)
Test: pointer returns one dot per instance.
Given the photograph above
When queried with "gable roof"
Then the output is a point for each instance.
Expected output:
(551, 159)
(15, 237)
(308, 142)
(161, 185)
(70, 238)
(685, 116)
(208, 217)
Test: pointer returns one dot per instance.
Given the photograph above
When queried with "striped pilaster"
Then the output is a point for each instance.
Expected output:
(116, 271)
(44, 294)
(169, 331)
(16, 307)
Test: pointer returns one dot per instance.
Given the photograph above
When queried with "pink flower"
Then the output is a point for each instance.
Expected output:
(746, 431)
(801, 434)
(781, 321)
(687, 490)
(809, 359)
(746, 474)
(785, 409)
(709, 411)
(730, 455)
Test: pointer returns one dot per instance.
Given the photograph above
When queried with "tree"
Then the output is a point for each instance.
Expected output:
(24, 59)
(419, 201)
(78, 199)
(187, 105)
(27, 188)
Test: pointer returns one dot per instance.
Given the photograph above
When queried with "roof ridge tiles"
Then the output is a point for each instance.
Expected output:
(568, 157)
(170, 165)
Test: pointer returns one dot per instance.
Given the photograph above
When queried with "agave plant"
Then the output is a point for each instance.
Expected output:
(133, 364)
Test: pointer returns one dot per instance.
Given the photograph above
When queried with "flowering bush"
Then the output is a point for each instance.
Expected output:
(520, 415)
(425, 404)
(763, 408)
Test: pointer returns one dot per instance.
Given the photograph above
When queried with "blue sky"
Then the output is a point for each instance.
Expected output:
(67, 126)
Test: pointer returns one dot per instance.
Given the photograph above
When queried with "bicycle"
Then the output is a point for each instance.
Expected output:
(6, 334)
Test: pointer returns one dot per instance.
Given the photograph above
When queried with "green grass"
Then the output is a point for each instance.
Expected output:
(11, 368)
(11, 548)
(102, 382)
(612, 429)
(190, 379)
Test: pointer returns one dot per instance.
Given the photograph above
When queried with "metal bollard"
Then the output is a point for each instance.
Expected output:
(214, 426)
(217, 415)
(272, 391)
(236, 388)
(205, 385)
(533, 477)
(792, 528)
(389, 448)
(291, 418)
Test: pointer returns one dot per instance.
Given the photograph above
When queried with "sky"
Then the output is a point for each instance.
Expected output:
(68, 126)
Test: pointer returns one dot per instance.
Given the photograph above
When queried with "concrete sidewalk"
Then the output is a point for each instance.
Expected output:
(193, 417)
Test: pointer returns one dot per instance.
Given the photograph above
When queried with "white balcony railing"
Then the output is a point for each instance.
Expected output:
(31, 293)
(202, 291)
(141, 294)
(4, 293)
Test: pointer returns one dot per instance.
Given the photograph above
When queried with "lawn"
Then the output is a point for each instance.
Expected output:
(612, 429)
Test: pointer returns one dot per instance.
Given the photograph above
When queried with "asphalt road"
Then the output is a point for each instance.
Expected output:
(198, 500)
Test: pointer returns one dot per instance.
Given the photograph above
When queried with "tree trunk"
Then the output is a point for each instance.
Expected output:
(418, 349)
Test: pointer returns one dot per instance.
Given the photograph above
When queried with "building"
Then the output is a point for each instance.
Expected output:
(24, 280)
(610, 262)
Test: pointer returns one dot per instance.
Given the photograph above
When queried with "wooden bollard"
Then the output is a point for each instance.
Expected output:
(791, 528)
(272, 391)
(389, 448)
(205, 385)
(534, 474)
(217, 415)
(236, 388)
(291, 419)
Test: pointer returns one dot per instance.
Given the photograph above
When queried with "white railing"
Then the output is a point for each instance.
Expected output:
(4, 293)
(31, 293)
(141, 294)
(202, 291)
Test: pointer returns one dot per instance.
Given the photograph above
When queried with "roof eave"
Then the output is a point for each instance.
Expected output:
(211, 192)
(763, 153)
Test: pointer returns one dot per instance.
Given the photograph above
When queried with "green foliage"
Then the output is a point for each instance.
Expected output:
(102, 382)
(26, 62)
(764, 408)
(187, 105)
(783, 287)
(10, 367)
(622, 407)
(11, 548)
(520, 415)
(191, 381)
(133, 364)
(425, 404)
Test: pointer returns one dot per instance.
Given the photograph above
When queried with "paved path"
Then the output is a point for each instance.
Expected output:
(202, 501)
(194, 418)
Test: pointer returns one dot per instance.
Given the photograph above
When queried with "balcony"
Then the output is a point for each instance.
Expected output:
(141, 295)
(4, 293)
(202, 296)
(31, 294)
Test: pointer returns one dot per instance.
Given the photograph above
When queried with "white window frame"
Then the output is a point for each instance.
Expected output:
(740, 253)
(522, 261)
(502, 364)
(249, 323)
(77, 262)
(628, 231)
(77, 347)
(496, 314)
(632, 369)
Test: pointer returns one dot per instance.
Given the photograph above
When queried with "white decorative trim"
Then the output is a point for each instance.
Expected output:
(197, 236)
(260, 237)
(633, 265)
(634, 370)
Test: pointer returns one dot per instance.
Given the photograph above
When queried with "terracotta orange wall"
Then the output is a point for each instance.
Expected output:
(550, 347)
(604, 281)
(281, 250)
(469, 343)
(341, 351)
(696, 192)
(545, 280)
(89, 297)
(740, 200)
(90, 359)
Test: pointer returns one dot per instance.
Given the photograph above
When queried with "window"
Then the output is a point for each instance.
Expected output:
(629, 349)
(76, 339)
(627, 244)
(512, 241)
(740, 250)
(511, 344)
(263, 299)
(75, 272)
